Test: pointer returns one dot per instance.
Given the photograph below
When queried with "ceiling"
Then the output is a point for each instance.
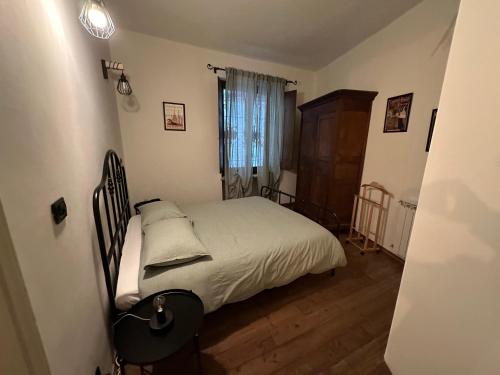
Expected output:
(303, 33)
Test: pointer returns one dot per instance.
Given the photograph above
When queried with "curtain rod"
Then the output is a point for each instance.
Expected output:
(216, 68)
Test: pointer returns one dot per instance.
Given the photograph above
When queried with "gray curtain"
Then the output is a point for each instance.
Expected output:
(253, 130)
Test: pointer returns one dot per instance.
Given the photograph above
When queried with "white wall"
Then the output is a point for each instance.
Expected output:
(180, 166)
(21, 347)
(58, 117)
(409, 55)
(447, 318)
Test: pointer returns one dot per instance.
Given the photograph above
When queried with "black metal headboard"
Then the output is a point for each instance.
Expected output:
(113, 192)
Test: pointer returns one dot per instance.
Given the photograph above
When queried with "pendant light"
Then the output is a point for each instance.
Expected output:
(96, 19)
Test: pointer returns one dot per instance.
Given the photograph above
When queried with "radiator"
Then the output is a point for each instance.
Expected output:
(409, 209)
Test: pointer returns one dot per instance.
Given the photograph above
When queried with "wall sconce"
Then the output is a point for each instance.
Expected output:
(96, 19)
(123, 86)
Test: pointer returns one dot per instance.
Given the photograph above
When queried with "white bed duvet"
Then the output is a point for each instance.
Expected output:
(255, 245)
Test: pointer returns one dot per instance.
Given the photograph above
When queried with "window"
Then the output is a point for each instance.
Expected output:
(258, 128)
(291, 132)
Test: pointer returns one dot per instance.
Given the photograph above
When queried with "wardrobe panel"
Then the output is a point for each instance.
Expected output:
(319, 184)
(305, 176)
(325, 139)
(308, 138)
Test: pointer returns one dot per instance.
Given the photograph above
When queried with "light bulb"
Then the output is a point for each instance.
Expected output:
(159, 303)
(97, 17)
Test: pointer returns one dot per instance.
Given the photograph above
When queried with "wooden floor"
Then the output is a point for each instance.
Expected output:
(317, 325)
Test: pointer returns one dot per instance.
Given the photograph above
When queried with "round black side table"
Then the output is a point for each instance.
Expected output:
(137, 344)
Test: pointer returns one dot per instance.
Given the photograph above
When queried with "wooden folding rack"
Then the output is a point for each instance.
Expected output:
(368, 212)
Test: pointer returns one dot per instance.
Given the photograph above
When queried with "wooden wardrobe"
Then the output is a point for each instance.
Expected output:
(333, 136)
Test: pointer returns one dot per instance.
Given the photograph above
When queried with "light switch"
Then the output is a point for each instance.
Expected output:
(59, 210)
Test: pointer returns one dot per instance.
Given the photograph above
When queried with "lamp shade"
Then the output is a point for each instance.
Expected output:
(96, 19)
(124, 86)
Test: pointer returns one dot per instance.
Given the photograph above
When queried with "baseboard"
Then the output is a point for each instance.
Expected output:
(392, 255)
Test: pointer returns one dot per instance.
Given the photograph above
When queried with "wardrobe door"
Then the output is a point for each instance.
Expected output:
(325, 140)
(306, 159)
(348, 162)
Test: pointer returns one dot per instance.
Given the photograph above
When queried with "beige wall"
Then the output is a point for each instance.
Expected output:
(58, 117)
(409, 55)
(180, 166)
(21, 347)
(447, 318)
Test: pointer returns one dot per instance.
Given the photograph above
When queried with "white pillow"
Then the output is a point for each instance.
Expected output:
(161, 210)
(170, 242)
(127, 289)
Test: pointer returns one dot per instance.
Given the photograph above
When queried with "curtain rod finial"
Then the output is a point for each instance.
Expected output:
(215, 69)
(211, 67)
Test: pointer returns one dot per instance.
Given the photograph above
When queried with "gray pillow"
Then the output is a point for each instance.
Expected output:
(170, 242)
(161, 210)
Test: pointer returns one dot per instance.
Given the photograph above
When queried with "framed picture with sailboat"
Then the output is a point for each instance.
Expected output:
(174, 116)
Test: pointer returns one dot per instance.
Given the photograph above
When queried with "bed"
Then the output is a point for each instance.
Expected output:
(255, 244)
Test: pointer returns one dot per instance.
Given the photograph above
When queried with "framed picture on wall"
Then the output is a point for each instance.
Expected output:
(397, 113)
(174, 116)
(431, 129)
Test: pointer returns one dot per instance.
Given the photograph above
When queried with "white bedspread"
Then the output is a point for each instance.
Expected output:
(255, 245)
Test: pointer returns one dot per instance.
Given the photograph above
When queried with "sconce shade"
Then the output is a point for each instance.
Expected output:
(96, 19)
(124, 86)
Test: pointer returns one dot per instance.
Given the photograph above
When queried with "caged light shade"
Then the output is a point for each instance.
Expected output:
(124, 86)
(96, 19)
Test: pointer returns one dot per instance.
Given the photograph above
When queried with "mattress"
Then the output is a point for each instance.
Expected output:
(255, 244)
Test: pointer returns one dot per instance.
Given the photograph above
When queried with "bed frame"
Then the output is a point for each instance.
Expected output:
(322, 215)
(112, 194)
